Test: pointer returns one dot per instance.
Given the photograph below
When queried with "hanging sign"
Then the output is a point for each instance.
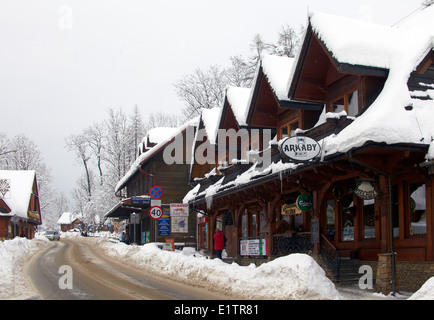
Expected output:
(299, 148)
(366, 190)
(304, 202)
(290, 209)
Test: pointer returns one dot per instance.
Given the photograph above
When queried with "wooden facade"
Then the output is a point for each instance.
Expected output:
(398, 221)
(23, 205)
(153, 170)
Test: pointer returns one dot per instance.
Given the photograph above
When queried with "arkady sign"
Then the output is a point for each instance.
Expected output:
(300, 148)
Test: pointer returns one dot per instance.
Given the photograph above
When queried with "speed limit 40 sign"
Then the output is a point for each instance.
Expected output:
(155, 212)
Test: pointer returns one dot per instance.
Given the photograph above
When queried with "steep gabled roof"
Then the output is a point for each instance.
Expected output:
(149, 154)
(397, 115)
(21, 188)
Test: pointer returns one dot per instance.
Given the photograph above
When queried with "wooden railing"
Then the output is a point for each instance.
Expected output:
(331, 256)
(284, 244)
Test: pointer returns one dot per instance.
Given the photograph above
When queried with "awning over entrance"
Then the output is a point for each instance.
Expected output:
(127, 206)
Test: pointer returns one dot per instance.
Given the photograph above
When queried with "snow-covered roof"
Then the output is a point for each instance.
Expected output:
(238, 99)
(159, 134)
(65, 218)
(359, 42)
(278, 71)
(211, 119)
(387, 119)
(400, 50)
(151, 152)
(17, 198)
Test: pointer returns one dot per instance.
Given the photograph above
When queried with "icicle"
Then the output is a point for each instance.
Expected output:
(208, 200)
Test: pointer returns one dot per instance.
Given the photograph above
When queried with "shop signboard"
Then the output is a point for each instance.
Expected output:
(290, 210)
(134, 218)
(304, 202)
(366, 190)
(164, 222)
(254, 247)
(140, 200)
(179, 217)
(299, 148)
(169, 244)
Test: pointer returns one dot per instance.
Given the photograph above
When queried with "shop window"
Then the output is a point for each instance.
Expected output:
(348, 102)
(348, 211)
(417, 210)
(368, 219)
(253, 222)
(330, 219)
(288, 129)
(244, 225)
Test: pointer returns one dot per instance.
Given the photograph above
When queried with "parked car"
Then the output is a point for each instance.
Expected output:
(52, 235)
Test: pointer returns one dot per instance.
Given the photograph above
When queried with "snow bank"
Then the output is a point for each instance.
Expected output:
(426, 292)
(296, 276)
(12, 254)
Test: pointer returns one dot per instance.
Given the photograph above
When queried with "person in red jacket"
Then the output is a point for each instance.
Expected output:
(219, 242)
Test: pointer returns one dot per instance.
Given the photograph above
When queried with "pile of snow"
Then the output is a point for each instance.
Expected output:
(426, 292)
(296, 276)
(12, 255)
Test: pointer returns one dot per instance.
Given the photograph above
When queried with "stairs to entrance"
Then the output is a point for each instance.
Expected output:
(348, 272)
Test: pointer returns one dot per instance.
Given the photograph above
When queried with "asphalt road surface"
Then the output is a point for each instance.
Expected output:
(98, 277)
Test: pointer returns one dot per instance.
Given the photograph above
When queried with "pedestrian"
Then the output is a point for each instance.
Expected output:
(219, 242)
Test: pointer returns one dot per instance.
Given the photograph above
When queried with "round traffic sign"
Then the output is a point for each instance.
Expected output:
(155, 212)
(156, 192)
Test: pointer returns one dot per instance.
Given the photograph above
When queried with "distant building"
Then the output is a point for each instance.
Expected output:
(20, 212)
(152, 169)
(69, 220)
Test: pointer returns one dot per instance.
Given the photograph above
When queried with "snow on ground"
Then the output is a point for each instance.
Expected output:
(426, 292)
(13, 254)
(296, 276)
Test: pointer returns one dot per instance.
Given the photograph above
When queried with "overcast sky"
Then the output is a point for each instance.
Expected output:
(63, 63)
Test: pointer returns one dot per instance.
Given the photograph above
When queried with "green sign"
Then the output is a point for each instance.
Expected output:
(304, 202)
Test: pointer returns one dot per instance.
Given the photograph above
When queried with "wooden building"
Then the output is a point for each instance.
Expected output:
(20, 212)
(163, 162)
(364, 92)
(69, 221)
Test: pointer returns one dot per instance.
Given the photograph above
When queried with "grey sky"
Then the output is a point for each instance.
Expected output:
(63, 63)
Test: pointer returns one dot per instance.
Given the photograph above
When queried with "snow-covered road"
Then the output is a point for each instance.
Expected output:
(290, 277)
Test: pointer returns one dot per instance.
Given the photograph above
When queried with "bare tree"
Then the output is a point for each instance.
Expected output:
(94, 136)
(78, 144)
(202, 89)
(287, 43)
(137, 127)
(241, 72)
(161, 119)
